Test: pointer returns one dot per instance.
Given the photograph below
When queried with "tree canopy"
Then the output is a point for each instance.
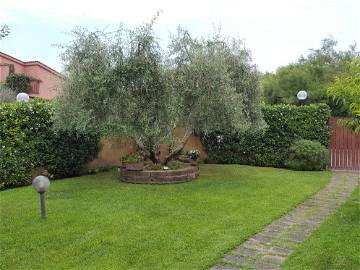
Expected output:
(6, 94)
(313, 73)
(347, 88)
(4, 31)
(216, 85)
(123, 84)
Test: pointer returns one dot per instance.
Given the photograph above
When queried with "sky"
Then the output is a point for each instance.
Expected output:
(277, 32)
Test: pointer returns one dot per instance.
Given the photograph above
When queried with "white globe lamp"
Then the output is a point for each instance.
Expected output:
(22, 97)
(41, 185)
(301, 96)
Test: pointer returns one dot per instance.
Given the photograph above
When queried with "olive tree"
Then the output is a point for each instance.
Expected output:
(216, 85)
(6, 94)
(116, 85)
(123, 84)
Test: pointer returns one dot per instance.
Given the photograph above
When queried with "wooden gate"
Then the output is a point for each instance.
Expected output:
(344, 147)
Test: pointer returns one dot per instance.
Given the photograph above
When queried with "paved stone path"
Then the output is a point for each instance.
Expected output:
(268, 249)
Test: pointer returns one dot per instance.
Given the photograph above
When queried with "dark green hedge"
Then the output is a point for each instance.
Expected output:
(27, 142)
(72, 149)
(286, 123)
(306, 155)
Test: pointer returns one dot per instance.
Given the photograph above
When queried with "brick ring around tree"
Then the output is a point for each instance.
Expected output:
(159, 177)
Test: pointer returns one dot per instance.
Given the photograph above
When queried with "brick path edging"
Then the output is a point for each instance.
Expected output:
(268, 249)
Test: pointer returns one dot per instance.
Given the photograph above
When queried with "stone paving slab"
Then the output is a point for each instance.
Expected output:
(268, 249)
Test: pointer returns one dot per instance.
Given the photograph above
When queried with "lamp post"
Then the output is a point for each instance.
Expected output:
(22, 97)
(301, 96)
(41, 184)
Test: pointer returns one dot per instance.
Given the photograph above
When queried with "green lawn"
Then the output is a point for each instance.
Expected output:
(335, 245)
(98, 222)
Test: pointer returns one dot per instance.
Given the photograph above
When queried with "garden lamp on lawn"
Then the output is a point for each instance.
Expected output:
(301, 95)
(41, 185)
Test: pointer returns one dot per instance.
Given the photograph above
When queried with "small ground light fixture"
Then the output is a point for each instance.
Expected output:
(41, 184)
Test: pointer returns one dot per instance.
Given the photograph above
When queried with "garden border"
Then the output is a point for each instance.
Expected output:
(159, 177)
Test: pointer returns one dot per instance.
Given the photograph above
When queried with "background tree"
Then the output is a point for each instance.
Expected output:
(4, 31)
(118, 84)
(347, 88)
(314, 73)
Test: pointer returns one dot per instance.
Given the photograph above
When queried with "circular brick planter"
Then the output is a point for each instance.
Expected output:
(160, 177)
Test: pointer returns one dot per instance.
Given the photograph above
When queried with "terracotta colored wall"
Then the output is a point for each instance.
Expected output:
(50, 81)
(49, 85)
(4, 70)
(193, 143)
(113, 149)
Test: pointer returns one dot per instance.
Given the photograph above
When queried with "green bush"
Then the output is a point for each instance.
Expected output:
(132, 158)
(71, 150)
(19, 82)
(174, 164)
(306, 155)
(27, 142)
(154, 167)
(270, 147)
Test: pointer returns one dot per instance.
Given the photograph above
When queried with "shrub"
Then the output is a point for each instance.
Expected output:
(154, 167)
(194, 154)
(270, 147)
(27, 142)
(19, 82)
(131, 159)
(306, 155)
(25, 132)
(174, 164)
(6, 94)
(71, 150)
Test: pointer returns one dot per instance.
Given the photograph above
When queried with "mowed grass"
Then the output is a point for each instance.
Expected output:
(98, 222)
(335, 245)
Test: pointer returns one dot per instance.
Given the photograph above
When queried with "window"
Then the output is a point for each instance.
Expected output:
(34, 87)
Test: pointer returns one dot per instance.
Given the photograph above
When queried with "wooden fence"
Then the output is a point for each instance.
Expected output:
(344, 147)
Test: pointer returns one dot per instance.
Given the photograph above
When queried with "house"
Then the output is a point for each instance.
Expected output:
(46, 83)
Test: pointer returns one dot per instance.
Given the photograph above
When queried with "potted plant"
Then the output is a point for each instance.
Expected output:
(133, 162)
(193, 155)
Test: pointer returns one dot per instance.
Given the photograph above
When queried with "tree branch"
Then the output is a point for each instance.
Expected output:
(180, 147)
(143, 148)
(154, 155)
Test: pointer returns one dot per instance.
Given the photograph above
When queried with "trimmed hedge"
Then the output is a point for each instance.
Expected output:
(27, 142)
(308, 155)
(270, 147)
(72, 149)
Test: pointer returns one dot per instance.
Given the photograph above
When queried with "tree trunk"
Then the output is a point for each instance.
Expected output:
(153, 155)
(180, 147)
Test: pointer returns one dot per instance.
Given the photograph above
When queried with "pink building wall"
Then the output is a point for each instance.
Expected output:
(49, 80)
